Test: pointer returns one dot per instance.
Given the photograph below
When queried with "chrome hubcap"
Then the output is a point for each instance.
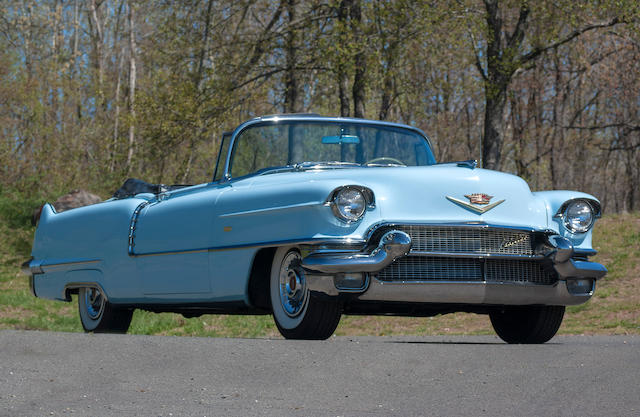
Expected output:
(293, 287)
(94, 302)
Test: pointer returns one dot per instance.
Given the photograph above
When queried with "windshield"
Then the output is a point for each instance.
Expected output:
(297, 145)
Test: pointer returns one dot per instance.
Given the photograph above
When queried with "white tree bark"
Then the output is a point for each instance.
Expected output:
(132, 86)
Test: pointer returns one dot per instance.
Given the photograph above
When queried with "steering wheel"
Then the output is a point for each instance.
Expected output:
(387, 159)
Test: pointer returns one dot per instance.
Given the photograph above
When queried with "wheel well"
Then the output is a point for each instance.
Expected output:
(68, 292)
(259, 279)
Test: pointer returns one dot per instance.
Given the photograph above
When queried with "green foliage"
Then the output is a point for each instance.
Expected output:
(67, 120)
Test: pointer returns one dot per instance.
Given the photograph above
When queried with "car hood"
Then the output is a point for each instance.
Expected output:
(425, 194)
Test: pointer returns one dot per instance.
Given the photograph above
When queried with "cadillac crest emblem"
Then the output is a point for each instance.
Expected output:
(478, 202)
(479, 198)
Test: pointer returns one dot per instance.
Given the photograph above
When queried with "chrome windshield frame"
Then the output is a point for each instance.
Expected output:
(311, 118)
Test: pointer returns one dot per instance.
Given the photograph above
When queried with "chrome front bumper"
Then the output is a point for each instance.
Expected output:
(323, 267)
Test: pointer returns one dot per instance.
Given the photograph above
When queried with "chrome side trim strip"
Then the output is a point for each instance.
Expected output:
(41, 267)
(310, 241)
(272, 209)
(141, 255)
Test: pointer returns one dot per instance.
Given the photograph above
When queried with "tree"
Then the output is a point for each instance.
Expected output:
(510, 47)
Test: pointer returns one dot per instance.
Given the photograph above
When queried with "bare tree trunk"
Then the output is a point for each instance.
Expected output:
(199, 77)
(360, 61)
(631, 162)
(503, 59)
(291, 94)
(343, 76)
(97, 36)
(56, 46)
(205, 45)
(116, 117)
(388, 83)
(74, 57)
(495, 84)
(132, 86)
(75, 31)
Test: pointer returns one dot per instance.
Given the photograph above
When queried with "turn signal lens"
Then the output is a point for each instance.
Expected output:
(580, 286)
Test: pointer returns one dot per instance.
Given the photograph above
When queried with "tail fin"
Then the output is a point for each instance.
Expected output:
(47, 211)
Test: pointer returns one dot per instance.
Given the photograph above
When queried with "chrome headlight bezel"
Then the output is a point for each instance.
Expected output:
(568, 218)
(340, 195)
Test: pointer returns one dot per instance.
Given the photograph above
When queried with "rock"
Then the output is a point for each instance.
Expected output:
(74, 199)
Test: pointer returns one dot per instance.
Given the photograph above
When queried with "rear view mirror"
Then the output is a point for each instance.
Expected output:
(340, 139)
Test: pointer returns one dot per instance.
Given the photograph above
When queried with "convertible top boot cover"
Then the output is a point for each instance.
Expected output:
(133, 186)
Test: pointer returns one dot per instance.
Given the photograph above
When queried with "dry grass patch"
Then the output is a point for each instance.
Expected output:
(7, 312)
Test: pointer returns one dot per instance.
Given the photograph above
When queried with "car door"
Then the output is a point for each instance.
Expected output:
(171, 241)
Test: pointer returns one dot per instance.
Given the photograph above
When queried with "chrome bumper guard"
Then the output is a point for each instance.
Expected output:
(392, 245)
(561, 253)
(322, 267)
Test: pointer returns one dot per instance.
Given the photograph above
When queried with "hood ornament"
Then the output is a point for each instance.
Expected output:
(476, 201)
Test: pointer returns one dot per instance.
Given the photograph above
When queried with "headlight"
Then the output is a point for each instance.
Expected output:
(350, 202)
(578, 216)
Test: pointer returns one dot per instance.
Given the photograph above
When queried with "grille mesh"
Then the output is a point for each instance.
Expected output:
(417, 268)
(468, 240)
(499, 270)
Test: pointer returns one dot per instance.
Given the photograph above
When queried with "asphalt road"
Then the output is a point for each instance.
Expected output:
(61, 373)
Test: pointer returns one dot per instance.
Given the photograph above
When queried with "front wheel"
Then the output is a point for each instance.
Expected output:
(98, 315)
(527, 324)
(297, 313)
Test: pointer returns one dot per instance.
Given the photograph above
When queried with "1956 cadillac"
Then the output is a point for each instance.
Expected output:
(310, 217)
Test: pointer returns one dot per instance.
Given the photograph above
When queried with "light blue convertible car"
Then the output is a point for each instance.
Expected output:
(310, 217)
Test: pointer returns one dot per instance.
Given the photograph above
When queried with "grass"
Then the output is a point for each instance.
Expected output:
(615, 308)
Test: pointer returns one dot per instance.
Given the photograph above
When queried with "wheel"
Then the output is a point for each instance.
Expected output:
(98, 315)
(527, 324)
(385, 159)
(297, 313)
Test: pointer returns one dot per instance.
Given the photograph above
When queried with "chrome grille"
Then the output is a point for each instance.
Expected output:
(481, 240)
(420, 268)
(416, 268)
(499, 270)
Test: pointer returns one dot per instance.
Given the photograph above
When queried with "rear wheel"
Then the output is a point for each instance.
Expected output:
(98, 315)
(296, 312)
(527, 324)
